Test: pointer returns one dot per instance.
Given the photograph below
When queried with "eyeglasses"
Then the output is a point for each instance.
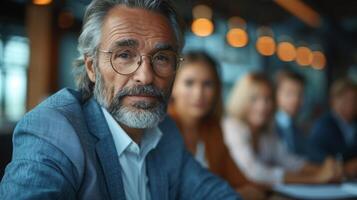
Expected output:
(127, 61)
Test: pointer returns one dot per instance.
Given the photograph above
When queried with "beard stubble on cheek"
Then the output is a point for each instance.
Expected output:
(137, 114)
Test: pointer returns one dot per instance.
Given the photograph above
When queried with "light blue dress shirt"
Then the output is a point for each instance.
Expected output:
(132, 158)
(285, 122)
(200, 155)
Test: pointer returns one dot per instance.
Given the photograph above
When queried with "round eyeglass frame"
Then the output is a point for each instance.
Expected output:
(179, 60)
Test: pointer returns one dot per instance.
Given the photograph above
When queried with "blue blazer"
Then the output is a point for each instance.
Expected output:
(328, 140)
(296, 142)
(63, 149)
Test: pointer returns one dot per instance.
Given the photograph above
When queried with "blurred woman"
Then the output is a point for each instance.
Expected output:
(258, 152)
(196, 107)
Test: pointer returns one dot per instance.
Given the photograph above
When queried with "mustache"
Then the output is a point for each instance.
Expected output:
(142, 90)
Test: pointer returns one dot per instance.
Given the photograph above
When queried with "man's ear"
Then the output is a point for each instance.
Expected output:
(89, 64)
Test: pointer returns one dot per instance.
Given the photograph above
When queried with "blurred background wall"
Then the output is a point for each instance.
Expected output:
(316, 38)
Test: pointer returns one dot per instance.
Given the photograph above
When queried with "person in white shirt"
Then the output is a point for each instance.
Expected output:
(258, 152)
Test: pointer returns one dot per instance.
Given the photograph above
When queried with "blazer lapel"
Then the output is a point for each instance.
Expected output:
(109, 160)
(158, 180)
(105, 149)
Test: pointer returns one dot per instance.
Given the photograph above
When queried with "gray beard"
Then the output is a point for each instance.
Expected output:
(140, 114)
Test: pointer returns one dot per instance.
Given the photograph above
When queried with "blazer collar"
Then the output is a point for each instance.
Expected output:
(158, 179)
(105, 149)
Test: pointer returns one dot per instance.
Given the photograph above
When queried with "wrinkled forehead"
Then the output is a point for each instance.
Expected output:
(138, 28)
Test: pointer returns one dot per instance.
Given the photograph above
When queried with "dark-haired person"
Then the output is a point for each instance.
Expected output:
(335, 133)
(110, 139)
(289, 97)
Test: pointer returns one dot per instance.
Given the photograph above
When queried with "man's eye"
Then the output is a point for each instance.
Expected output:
(162, 58)
(165, 57)
(124, 55)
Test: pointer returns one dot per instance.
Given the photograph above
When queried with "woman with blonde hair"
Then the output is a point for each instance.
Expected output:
(257, 151)
(196, 106)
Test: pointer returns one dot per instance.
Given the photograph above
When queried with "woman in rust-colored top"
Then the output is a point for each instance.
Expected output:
(196, 106)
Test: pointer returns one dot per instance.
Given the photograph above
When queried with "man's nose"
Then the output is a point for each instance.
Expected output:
(144, 75)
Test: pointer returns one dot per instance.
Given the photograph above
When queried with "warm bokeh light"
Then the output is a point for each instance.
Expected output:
(202, 11)
(318, 60)
(286, 51)
(41, 2)
(303, 56)
(202, 27)
(266, 45)
(237, 37)
(65, 19)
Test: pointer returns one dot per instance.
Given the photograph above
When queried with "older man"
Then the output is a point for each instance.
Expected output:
(111, 139)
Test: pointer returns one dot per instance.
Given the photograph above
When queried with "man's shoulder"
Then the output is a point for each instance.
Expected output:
(48, 136)
(63, 104)
(63, 97)
(326, 121)
(56, 120)
(325, 127)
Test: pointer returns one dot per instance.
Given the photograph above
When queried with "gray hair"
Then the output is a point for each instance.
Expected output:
(89, 39)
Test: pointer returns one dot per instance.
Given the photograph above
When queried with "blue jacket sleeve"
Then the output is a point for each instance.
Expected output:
(38, 170)
(199, 183)
(318, 140)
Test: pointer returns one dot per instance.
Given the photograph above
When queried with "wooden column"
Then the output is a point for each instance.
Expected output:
(39, 30)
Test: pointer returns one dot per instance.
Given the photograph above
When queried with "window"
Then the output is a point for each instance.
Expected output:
(14, 58)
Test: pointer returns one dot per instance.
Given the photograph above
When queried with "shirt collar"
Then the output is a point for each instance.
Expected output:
(122, 141)
(150, 140)
(283, 119)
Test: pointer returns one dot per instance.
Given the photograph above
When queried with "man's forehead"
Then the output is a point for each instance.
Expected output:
(124, 24)
(134, 43)
(134, 16)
